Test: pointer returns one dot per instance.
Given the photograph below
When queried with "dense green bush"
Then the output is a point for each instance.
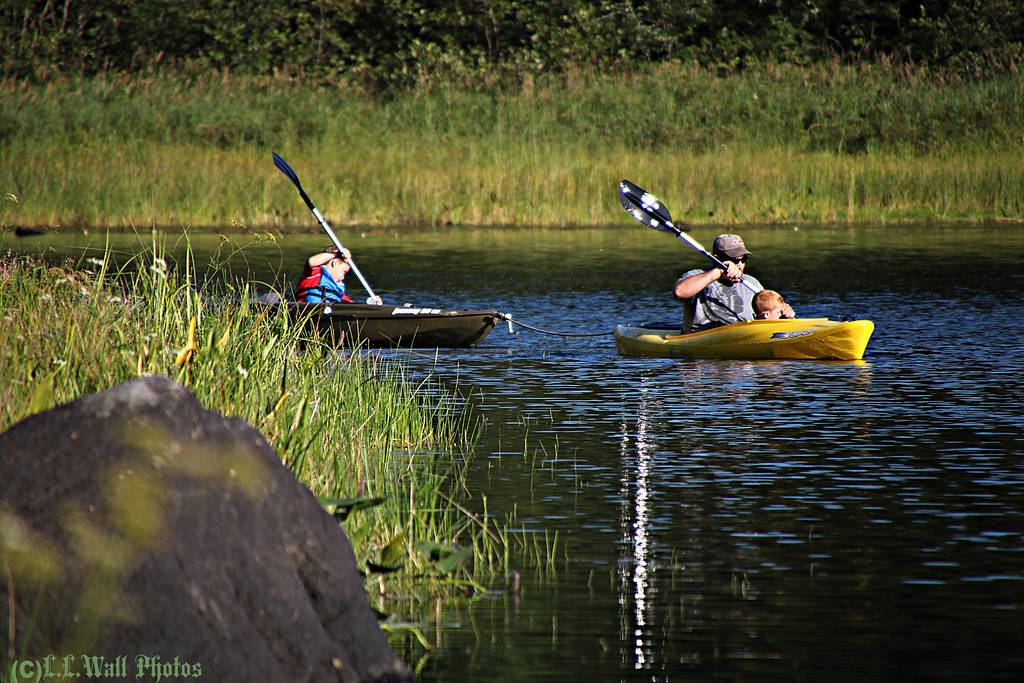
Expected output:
(384, 44)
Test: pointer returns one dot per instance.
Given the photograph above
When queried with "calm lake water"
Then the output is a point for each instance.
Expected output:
(738, 520)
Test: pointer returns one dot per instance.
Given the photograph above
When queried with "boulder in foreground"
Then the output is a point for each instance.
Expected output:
(141, 528)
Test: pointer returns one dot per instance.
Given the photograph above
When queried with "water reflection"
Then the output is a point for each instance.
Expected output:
(634, 522)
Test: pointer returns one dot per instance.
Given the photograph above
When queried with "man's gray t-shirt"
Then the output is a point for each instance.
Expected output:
(723, 304)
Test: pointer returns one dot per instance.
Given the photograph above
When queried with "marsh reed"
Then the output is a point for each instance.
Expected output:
(773, 143)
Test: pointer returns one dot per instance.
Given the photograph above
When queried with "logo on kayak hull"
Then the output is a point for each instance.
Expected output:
(791, 335)
(416, 311)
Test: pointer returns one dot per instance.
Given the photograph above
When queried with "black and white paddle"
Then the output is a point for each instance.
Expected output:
(649, 210)
(287, 170)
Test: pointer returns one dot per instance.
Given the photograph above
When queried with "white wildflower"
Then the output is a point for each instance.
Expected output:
(159, 267)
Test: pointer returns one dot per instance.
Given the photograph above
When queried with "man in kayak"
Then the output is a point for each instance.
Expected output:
(714, 297)
(323, 278)
(769, 305)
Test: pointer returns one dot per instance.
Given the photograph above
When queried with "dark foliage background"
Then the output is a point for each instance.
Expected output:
(384, 44)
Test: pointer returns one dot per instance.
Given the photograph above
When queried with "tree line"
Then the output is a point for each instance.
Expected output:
(387, 44)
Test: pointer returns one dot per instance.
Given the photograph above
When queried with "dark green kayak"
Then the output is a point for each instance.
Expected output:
(393, 326)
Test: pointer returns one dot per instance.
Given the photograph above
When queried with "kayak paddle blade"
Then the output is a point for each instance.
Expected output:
(283, 167)
(646, 208)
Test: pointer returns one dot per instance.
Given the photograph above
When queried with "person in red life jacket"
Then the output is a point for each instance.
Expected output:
(323, 278)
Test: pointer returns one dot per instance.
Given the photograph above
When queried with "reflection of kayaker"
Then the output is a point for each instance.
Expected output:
(323, 278)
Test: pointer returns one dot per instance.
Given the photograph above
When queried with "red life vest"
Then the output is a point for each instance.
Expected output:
(317, 286)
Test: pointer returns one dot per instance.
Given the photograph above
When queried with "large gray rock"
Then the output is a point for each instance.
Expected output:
(136, 523)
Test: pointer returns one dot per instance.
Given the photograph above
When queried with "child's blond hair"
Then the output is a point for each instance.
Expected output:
(766, 300)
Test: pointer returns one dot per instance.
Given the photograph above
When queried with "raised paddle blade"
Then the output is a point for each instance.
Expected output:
(634, 210)
(646, 208)
(283, 167)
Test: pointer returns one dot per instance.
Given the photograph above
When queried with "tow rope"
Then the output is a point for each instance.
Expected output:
(512, 322)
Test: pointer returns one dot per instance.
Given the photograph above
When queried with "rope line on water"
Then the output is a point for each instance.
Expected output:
(511, 322)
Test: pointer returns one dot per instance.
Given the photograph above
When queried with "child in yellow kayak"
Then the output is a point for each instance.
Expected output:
(768, 305)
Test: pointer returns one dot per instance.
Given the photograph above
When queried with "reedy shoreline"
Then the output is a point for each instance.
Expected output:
(349, 424)
(775, 143)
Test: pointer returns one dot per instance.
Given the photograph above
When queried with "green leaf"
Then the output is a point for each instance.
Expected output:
(392, 553)
(456, 560)
(394, 627)
(448, 559)
(434, 551)
(42, 398)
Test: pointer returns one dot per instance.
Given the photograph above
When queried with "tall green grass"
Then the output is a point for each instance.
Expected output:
(351, 425)
(874, 142)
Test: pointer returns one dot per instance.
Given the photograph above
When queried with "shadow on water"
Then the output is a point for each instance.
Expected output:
(769, 520)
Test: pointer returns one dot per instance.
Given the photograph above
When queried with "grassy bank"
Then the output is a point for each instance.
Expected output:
(351, 427)
(772, 143)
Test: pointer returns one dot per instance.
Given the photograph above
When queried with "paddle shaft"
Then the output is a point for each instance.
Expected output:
(287, 170)
(337, 243)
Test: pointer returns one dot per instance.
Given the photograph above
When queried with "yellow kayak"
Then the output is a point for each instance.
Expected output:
(802, 338)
